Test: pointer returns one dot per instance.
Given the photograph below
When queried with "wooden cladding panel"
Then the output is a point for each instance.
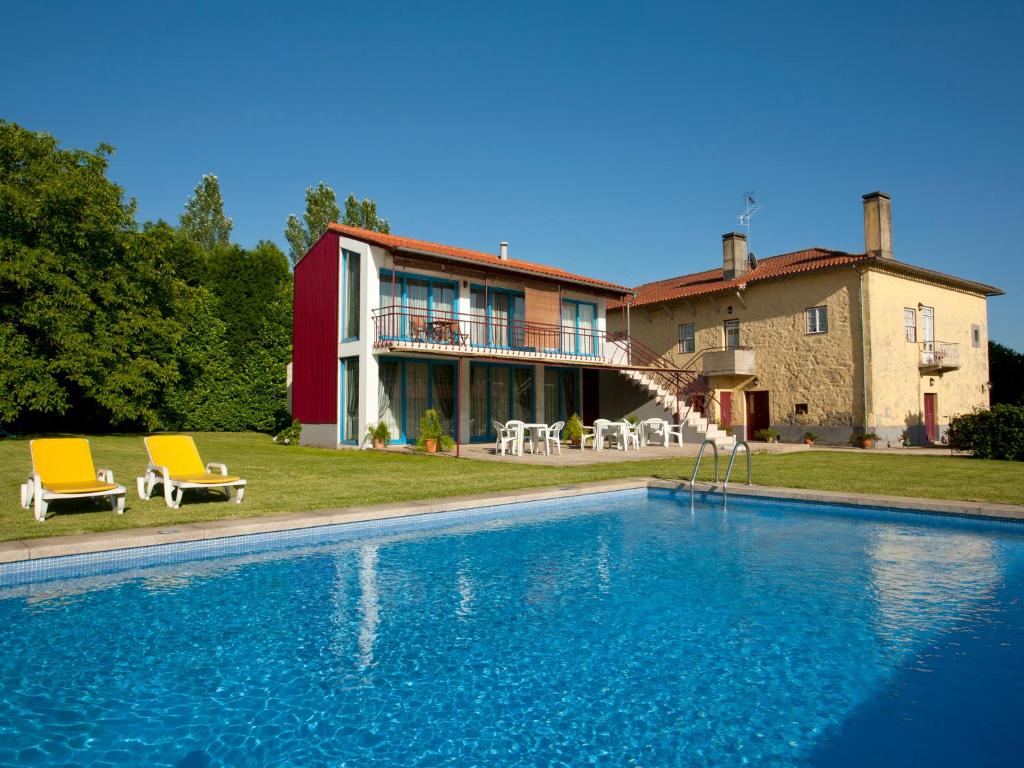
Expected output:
(543, 303)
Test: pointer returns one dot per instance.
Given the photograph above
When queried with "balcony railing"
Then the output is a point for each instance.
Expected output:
(939, 355)
(449, 331)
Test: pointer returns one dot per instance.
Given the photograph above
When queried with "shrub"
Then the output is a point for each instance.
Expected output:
(859, 437)
(289, 435)
(810, 436)
(431, 429)
(997, 433)
(767, 435)
(573, 428)
(380, 431)
(632, 419)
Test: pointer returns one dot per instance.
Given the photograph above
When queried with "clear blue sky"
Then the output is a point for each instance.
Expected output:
(608, 139)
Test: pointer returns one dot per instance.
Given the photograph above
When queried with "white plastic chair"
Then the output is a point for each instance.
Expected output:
(554, 435)
(654, 429)
(506, 437)
(599, 436)
(628, 435)
(520, 428)
(673, 432)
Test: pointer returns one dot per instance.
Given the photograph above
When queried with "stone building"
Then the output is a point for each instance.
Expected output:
(815, 340)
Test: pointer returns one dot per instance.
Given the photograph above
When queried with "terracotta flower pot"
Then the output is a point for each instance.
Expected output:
(867, 443)
(808, 442)
(378, 443)
(431, 445)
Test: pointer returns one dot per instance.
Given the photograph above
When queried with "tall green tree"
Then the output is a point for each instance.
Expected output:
(321, 209)
(363, 214)
(1006, 372)
(203, 221)
(84, 325)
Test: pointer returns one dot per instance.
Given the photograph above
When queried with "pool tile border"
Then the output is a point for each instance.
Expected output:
(134, 538)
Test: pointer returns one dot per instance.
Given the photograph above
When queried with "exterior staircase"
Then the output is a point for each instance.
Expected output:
(696, 428)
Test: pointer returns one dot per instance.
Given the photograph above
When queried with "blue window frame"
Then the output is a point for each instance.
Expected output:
(499, 392)
(501, 323)
(349, 305)
(418, 298)
(579, 328)
(411, 386)
(348, 400)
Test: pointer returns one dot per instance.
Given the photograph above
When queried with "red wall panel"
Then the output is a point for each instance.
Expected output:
(315, 334)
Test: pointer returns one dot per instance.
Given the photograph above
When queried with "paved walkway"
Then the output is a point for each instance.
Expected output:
(574, 457)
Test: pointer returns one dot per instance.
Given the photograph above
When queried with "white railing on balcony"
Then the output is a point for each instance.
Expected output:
(940, 354)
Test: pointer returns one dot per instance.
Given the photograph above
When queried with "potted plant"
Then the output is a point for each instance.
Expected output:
(864, 439)
(432, 435)
(809, 438)
(767, 435)
(380, 434)
(573, 431)
(632, 419)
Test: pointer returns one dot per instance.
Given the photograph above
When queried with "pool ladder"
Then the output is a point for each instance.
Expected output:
(728, 471)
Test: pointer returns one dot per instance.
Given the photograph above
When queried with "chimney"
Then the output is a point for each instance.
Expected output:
(734, 255)
(878, 225)
(503, 251)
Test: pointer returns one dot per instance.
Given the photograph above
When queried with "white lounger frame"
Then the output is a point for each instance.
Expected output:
(174, 490)
(33, 493)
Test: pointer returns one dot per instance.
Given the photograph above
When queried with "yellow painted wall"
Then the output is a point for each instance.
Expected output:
(821, 370)
(897, 385)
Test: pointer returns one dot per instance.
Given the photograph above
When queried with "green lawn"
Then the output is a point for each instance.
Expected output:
(300, 479)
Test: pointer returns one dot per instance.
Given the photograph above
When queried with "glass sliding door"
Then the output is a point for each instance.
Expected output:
(522, 393)
(417, 295)
(517, 322)
(478, 310)
(350, 400)
(500, 310)
(568, 328)
(389, 396)
(390, 298)
(551, 395)
(570, 386)
(585, 328)
(479, 417)
(501, 408)
(442, 306)
(416, 397)
(442, 395)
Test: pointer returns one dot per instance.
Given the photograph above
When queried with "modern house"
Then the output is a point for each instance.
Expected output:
(814, 340)
(386, 327)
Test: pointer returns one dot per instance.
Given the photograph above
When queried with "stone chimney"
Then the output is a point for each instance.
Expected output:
(878, 225)
(735, 261)
(503, 251)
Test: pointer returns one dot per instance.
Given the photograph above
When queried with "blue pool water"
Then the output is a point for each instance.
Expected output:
(619, 631)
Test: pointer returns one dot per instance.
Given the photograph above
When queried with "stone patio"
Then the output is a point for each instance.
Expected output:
(571, 457)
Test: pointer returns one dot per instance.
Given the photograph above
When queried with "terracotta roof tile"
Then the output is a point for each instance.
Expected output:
(395, 242)
(712, 280)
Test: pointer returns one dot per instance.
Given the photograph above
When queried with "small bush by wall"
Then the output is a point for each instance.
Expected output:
(992, 434)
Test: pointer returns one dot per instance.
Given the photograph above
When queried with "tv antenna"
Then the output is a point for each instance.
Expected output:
(750, 207)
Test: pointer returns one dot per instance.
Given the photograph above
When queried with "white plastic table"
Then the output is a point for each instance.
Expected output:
(537, 432)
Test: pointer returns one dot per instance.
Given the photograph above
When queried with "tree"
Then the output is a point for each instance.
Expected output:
(203, 221)
(84, 332)
(1006, 372)
(364, 215)
(321, 210)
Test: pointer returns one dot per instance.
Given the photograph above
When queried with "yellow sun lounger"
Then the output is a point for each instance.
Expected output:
(174, 463)
(62, 468)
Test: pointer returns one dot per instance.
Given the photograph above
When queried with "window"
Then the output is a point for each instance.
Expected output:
(801, 409)
(975, 336)
(579, 327)
(732, 334)
(350, 313)
(686, 338)
(409, 303)
(350, 400)
(817, 320)
(910, 325)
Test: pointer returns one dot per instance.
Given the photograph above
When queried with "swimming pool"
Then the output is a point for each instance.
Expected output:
(619, 629)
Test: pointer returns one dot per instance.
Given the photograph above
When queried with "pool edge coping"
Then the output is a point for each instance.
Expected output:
(130, 538)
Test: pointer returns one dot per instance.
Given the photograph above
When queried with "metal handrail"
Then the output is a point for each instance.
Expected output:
(732, 460)
(696, 465)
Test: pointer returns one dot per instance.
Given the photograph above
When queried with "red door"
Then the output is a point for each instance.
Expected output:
(929, 416)
(757, 412)
(725, 399)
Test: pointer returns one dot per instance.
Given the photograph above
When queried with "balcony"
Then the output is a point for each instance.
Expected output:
(740, 361)
(441, 332)
(939, 356)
